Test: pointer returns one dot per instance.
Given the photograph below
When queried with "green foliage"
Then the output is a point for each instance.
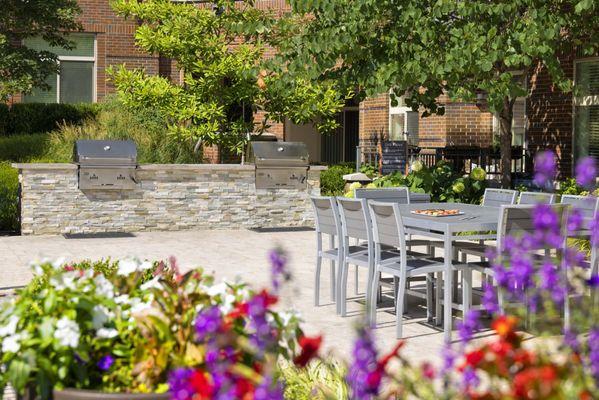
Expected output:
(9, 185)
(45, 117)
(423, 49)
(21, 68)
(23, 148)
(440, 182)
(4, 119)
(331, 180)
(569, 186)
(145, 127)
(320, 380)
(224, 81)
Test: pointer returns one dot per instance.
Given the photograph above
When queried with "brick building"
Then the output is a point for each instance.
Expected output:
(547, 118)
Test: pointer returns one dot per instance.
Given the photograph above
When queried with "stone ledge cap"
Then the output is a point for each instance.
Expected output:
(44, 166)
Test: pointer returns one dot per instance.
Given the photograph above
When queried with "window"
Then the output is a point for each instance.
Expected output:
(403, 122)
(586, 109)
(75, 82)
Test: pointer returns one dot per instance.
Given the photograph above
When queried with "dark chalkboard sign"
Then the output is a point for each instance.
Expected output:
(395, 156)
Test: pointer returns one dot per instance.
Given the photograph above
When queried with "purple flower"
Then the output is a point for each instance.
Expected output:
(545, 168)
(593, 281)
(449, 357)
(469, 325)
(545, 218)
(586, 172)
(522, 271)
(551, 282)
(364, 367)
(269, 390)
(571, 340)
(105, 362)
(278, 272)
(575, 221)
(179, 384)
(594, 352)
(208, 322)
(469, 378)
(489, 299)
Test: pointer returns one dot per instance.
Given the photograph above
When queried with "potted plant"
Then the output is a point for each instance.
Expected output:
(114, 330)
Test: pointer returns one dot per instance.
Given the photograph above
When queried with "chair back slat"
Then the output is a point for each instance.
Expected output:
(354, 220)
(384, 224)
(517, 220)
(499, 197)
(588, 206)
(327, 215)
(399, 195)
(536, 198)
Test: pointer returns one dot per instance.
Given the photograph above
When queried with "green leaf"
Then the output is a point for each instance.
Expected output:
(18, 374)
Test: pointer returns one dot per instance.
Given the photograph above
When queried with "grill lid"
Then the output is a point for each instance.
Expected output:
(280, 154)
(105, 153)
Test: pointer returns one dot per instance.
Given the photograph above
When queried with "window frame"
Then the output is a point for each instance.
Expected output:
(576, 102)
(83, 59)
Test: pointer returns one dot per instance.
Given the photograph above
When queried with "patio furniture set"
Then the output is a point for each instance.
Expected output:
(382, 224)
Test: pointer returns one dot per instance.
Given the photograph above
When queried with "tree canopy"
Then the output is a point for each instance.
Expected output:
(221, 50)
(21, 68)
(424, 48)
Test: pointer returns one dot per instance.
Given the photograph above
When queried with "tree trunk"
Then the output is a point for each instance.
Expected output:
(505, 116)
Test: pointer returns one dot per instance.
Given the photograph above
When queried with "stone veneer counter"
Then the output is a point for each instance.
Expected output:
(169, 197)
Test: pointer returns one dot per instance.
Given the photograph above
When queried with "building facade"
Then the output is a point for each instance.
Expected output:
(546, 118)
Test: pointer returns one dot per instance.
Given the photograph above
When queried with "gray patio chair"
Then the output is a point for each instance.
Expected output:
(587, 205)
(536, 198)
(491, 198)
(328, 222)
(514, 220)
(388, 230)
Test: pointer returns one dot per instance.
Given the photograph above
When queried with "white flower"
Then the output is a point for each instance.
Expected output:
(228, 303)
(145, 265)
(218, 289)
(58, 263)
(139, 307)
(152, 284)
(37, 268)
(11, 326)
(127, 267)
(122, 299)
(106, 333)
(67, 332)
(104, 287)
(12, 343)
(65, 281)
(100, 315)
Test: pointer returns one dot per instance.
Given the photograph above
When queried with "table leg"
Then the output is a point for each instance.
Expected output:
(447, 293)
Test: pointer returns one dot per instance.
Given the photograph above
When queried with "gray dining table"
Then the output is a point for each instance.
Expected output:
(474, 223)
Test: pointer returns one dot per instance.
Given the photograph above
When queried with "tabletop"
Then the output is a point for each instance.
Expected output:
(474, 217)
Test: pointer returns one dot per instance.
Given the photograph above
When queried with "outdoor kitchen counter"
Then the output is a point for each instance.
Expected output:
(168, 197)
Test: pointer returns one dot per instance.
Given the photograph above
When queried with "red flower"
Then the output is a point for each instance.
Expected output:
(501, 348)
(310, 347)
(391, 355)
(373, 380)
(534, 383)
(202, 386)
(244, 389)
(269, 299)
(474, 358)
(68, 268)
(428, 371)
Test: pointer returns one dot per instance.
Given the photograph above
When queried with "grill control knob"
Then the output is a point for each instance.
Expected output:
(106, 148)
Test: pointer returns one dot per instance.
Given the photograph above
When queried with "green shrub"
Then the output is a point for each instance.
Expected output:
(9, 184)
(331, 180)
(113, 121)
(30, 118)
(319, 380)
(23, 148)
(4, 119)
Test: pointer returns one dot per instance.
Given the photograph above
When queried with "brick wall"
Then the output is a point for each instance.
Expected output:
(374, 119)
(549, 113)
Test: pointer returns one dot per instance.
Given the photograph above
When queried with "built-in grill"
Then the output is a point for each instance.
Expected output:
(106, 164)
(280, 165)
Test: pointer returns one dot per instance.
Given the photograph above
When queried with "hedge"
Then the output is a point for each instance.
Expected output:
(9, 184)
(28, 118)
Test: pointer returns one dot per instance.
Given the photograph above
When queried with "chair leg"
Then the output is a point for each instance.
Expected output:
(333, 280)
(317, 281)
(379, 292)
(466, 290)
(343, 290)
(374, 288)
(356, 282)
(399, 308)
(429, 297)
(438, 296)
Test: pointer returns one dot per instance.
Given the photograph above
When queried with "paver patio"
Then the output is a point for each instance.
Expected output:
(230, 254)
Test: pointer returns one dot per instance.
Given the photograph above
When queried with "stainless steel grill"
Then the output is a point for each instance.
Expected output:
(281, 165)
(106, 164)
